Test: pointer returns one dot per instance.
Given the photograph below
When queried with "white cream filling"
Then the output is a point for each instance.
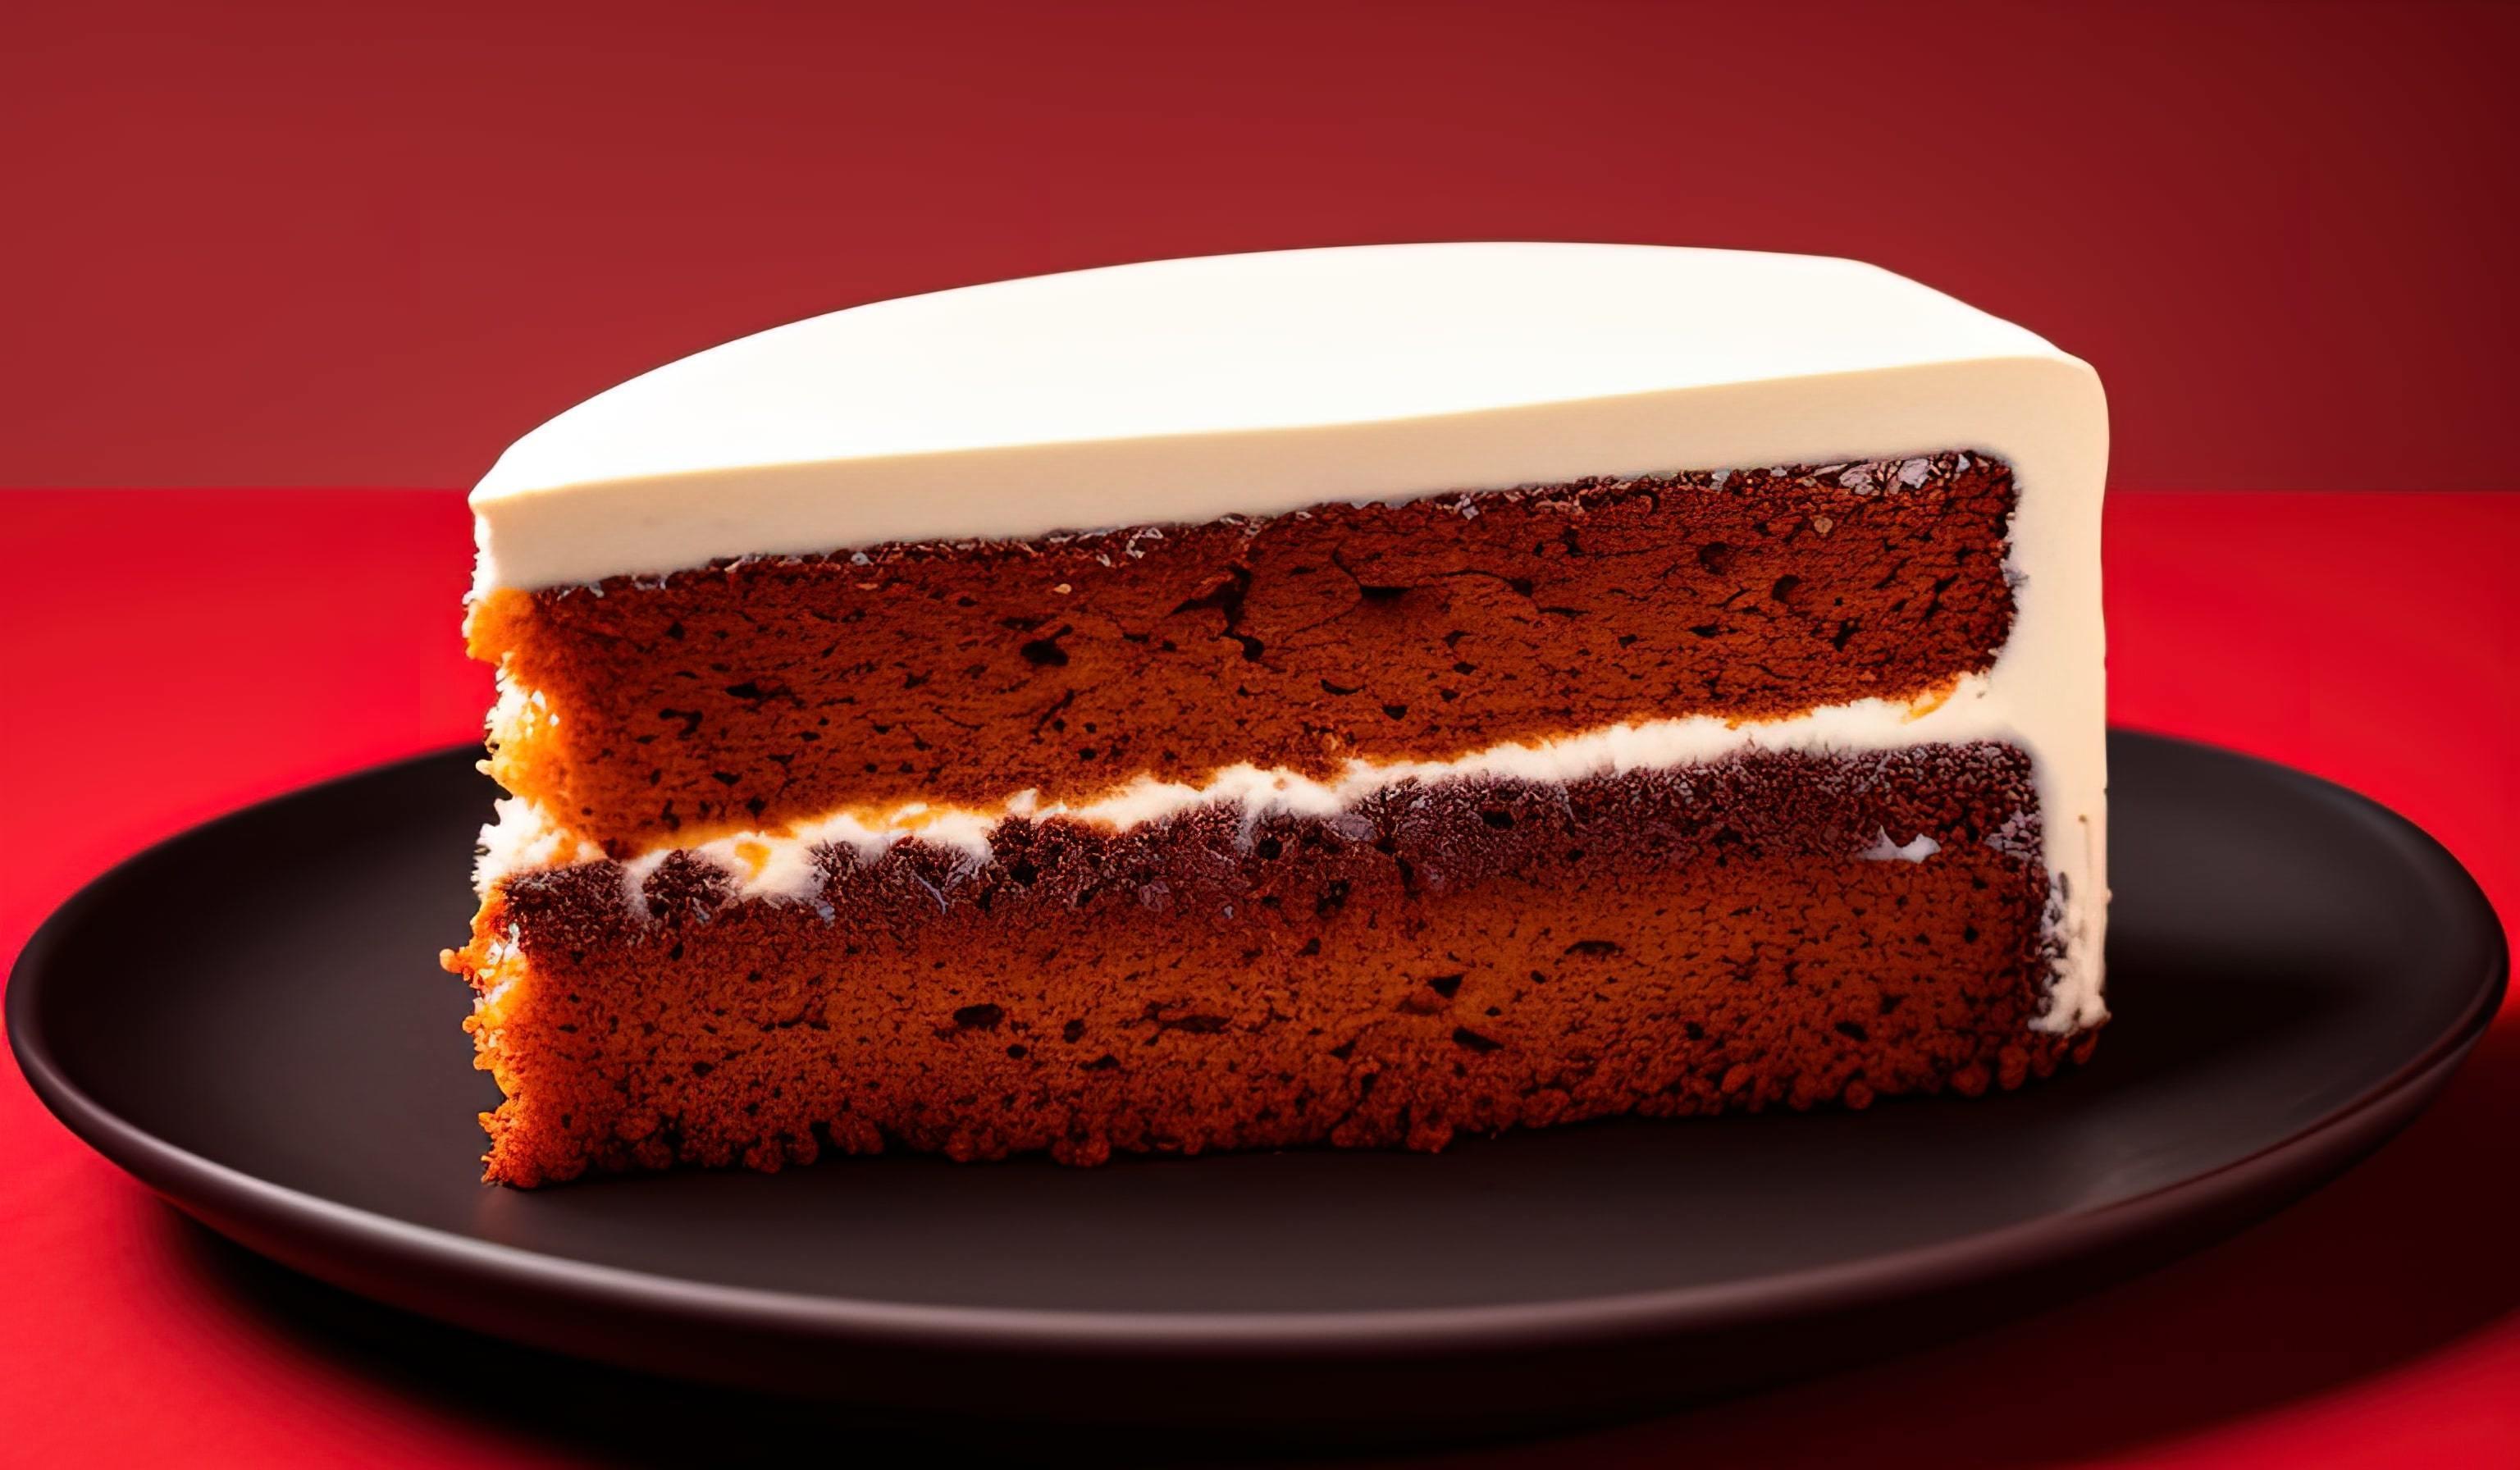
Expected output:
(784, 866)
(1915, 849)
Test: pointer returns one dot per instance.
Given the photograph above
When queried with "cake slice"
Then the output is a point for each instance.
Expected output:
(1350, 697)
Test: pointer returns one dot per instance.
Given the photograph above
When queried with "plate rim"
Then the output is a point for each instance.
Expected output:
(218, 1192)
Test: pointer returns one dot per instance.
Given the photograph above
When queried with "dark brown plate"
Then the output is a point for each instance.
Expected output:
(250, 1019)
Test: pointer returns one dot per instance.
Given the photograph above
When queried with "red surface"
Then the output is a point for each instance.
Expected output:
(289, 635)
(299, 242)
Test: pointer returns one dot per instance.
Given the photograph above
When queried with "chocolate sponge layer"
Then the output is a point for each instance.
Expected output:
(1449, 956)
(750, 694)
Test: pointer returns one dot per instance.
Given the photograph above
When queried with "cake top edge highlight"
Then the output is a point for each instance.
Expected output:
(1142, 393)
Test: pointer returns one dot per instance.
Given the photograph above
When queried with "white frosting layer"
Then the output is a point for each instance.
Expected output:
(1182, 390)
(782, 867)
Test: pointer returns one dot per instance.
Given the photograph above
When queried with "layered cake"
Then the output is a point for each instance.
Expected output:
(1351, 696)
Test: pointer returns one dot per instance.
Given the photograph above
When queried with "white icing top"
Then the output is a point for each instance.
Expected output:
(1181, 390)
(1186, 389)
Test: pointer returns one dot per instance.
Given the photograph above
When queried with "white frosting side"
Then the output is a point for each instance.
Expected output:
(1182, 390)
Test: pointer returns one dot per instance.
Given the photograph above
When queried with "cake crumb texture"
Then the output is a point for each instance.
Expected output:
(1447, 957)
(763, 691)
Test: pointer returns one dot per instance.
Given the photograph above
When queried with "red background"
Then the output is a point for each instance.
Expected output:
(279, 246)
(323, 243)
